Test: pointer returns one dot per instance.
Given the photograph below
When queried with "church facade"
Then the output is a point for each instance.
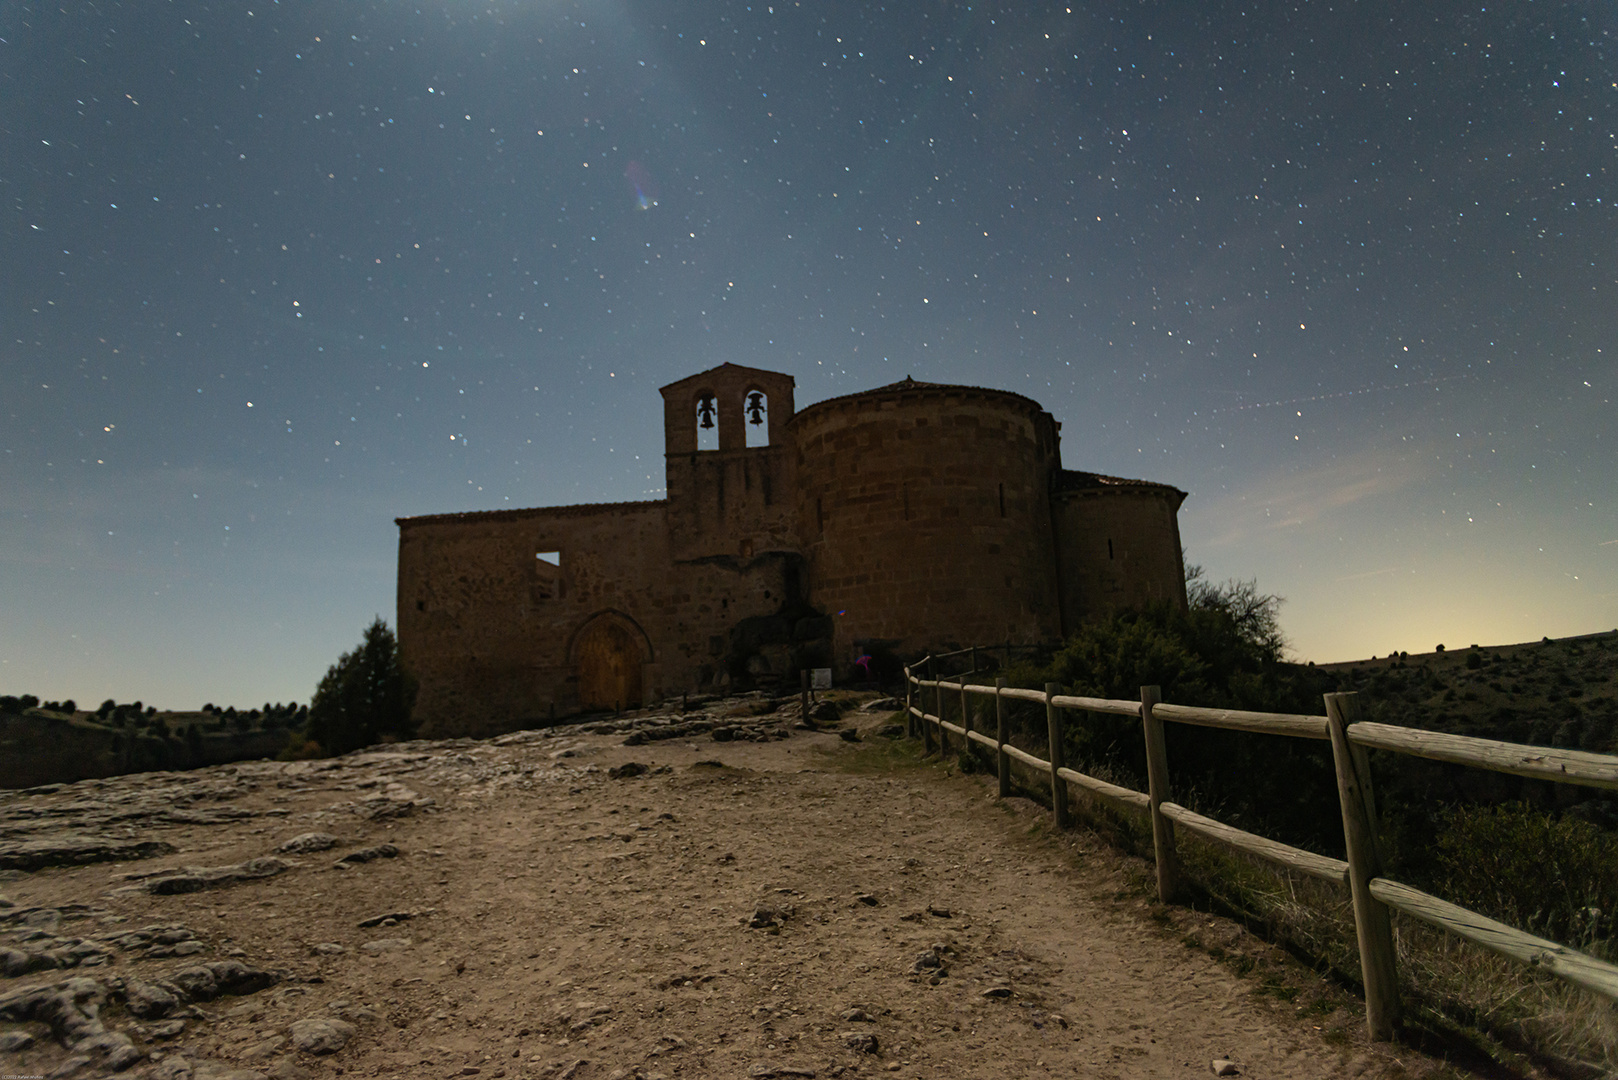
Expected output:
(887, 523)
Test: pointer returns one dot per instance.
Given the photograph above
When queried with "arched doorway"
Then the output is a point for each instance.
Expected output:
(608, 655)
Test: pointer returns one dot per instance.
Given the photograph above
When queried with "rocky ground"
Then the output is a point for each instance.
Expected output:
(719, 892)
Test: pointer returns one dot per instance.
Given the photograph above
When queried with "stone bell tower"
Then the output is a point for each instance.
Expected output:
(730, 465)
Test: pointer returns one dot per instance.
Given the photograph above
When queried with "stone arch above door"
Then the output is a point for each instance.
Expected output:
(608, 655)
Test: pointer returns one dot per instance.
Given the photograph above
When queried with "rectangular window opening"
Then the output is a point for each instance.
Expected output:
(548, 574)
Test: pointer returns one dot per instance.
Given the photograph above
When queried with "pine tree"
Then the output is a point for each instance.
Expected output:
(364, 697)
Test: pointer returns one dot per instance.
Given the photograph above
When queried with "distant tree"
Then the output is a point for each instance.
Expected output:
(365, 696)
(137, 706)
(10, 704)
(106, 708)
(29, 701)
(159, 727)
(244, 722)
(193, 743)
(70, 706)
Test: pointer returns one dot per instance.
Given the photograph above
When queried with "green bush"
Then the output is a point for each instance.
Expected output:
(1225, 651)
(1553, 875)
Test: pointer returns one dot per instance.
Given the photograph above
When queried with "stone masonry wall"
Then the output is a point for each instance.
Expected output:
(1119, 547)
(924, 515)
(487, 632)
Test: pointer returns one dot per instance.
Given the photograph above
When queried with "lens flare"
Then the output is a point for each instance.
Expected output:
(645, 187)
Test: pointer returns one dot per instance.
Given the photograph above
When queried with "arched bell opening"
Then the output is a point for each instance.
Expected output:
(707, 420)
(756, 417)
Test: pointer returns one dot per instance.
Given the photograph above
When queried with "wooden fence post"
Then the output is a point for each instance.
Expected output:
(1157, 782)
(910, 717)
(926, 728)
(1002, 759)
(938, 710)
(1053, 725)
(803, 696)
(1372, 925)
(966, 721)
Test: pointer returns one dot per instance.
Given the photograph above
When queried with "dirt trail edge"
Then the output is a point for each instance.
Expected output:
(557, 904)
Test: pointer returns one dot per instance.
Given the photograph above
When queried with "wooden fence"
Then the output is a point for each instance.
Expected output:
(1371, 893)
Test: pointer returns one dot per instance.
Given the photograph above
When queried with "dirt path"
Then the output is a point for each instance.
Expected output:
(740, 909)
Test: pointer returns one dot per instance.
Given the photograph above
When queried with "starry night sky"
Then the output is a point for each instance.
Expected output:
(272, 274)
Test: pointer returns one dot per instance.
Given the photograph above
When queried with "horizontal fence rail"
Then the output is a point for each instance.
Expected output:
(1373, 895)
(1536, 762)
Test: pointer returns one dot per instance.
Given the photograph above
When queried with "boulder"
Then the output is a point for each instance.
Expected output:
(319, 1035)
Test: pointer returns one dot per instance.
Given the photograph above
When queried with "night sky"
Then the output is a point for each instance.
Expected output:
(273, 274)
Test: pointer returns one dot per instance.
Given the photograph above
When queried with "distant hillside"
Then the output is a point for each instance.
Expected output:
(50, 746)
(1548, 693)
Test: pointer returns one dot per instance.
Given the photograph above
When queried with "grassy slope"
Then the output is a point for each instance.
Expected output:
(1555, 693)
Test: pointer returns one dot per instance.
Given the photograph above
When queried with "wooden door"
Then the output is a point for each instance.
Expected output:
(609, 660)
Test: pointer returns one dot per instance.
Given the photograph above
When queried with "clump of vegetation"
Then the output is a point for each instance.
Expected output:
(364, 698)
(1226, 650)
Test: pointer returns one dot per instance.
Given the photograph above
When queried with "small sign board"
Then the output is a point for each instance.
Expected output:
(820, 678)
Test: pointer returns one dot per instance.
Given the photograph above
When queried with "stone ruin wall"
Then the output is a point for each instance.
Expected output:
(1119, 547)
(732, 502)
(489, 634)
(925, 517)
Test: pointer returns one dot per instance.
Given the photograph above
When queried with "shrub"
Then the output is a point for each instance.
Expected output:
(1548, 874)
(301, 749)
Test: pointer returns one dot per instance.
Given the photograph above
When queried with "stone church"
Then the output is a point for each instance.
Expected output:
(883, 524)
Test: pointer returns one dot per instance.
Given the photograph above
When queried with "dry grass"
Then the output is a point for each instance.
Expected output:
(1527, 1010)
(1448, 986)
